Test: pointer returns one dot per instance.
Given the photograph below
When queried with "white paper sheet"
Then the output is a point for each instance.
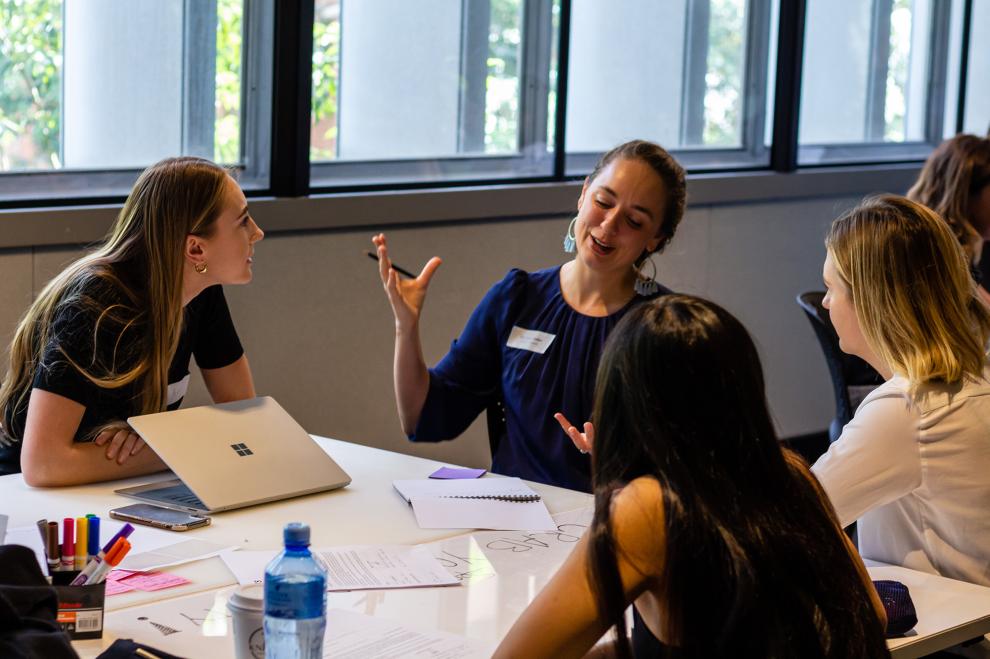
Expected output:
(29, 537)
(200, 626)
(355, 567)
(354, 636)
(152, 548)
(458, 488)
(450, 513)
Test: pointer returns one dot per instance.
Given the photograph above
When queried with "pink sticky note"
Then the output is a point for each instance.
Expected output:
(119, 575)
(453, 472)
(117, 587)
(151, 581)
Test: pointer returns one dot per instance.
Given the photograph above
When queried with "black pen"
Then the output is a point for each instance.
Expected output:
(401, 271)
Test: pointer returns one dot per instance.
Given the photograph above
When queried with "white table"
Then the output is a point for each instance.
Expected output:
(370, 511)
(949, 611)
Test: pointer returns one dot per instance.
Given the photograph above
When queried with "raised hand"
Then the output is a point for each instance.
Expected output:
(584, 441)
(405, 295)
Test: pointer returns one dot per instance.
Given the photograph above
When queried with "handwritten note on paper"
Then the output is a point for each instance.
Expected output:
(463, 558)
(514, 550)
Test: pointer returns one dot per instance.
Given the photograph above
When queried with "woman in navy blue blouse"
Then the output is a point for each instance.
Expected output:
(533, 343)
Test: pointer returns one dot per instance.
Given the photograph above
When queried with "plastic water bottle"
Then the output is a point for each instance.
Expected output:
(295, 600)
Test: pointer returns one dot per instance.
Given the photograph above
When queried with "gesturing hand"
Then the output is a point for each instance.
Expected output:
(121, 444)
(584, 441)
(405, 295)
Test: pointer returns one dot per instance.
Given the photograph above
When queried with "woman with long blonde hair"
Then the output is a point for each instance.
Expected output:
(111, 336)
(912, 465)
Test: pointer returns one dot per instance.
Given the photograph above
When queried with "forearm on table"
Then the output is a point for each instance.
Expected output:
(411, 378)
(82, 462)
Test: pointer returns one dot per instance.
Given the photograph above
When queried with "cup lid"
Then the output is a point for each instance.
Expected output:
(251, 597)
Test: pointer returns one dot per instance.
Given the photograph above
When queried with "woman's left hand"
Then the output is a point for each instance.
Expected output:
(121, 444)
(584, 441)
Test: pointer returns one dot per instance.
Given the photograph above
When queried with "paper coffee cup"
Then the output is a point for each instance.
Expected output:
(246, 606)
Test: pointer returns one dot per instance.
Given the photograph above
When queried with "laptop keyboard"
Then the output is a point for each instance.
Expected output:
(179, 494)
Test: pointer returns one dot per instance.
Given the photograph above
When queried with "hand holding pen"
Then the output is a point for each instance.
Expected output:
(405, 295)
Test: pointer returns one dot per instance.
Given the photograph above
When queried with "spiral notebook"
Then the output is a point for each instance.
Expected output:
(500, 504)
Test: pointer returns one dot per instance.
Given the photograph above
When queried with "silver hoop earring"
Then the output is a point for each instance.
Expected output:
(570, 241)
(646, 286)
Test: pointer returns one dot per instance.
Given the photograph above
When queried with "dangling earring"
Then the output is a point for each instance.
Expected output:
(200, 268)
(646, 286)
(569, 238)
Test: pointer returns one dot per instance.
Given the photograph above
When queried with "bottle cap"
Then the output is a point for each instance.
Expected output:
(296, 533)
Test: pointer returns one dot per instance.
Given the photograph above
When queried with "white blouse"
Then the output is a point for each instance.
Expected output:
(915, 472)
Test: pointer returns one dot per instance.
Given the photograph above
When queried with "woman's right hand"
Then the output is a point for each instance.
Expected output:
(405, 295)
(583, 441)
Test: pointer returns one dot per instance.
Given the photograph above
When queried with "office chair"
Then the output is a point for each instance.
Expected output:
(852, 378)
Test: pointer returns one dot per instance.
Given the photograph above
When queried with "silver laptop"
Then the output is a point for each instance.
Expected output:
(231, 456)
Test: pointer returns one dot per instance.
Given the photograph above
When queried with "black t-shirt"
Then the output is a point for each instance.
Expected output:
(104, 345)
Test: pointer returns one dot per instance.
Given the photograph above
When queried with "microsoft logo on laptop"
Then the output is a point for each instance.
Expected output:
(242, 449)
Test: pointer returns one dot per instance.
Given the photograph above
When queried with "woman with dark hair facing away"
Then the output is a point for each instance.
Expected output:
(111, 336)
(724, 540)
(912, 465)
(532, 345)
(955, 183)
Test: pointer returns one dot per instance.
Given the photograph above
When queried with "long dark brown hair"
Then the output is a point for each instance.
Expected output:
(955, 171)
(755, 563)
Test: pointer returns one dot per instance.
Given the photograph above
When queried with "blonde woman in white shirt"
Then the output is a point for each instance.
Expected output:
(913, 466)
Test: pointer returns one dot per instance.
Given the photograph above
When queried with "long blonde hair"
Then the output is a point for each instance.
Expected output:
(915, 300)
(953, 173)
(141, 264)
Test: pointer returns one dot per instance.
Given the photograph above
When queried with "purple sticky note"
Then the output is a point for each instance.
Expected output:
(452, 472)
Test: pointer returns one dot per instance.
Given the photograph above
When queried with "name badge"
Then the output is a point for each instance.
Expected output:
(532, 340)
(177, 390)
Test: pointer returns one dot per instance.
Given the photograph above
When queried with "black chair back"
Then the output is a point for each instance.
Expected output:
(852, 378)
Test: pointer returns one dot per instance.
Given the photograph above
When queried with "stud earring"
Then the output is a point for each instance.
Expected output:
(570, 242)
(200, 268)
(646, 286)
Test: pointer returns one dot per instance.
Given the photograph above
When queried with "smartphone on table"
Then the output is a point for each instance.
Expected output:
(162, 518)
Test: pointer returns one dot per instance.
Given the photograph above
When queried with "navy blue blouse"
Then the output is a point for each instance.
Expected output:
(481, 369)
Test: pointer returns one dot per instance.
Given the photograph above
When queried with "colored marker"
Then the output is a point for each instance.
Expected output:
(91, 567)
(68, 544)
(93, 537)
(82, 528)
(52, 547)
(112, 560)
(43, 530)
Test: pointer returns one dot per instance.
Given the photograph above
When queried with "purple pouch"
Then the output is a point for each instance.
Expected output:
(901, 616)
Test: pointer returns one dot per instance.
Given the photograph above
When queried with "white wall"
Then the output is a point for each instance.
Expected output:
(319, 332)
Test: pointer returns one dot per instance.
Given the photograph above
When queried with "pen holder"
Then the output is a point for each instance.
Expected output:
(80, 608)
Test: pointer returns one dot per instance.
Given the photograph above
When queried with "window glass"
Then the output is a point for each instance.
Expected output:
(118, 84)
(977, 117)
(679, 78)
(866, 73)
(382, 91)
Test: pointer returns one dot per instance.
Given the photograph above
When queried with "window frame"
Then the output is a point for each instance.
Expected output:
(26, 189)
(276, 93)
